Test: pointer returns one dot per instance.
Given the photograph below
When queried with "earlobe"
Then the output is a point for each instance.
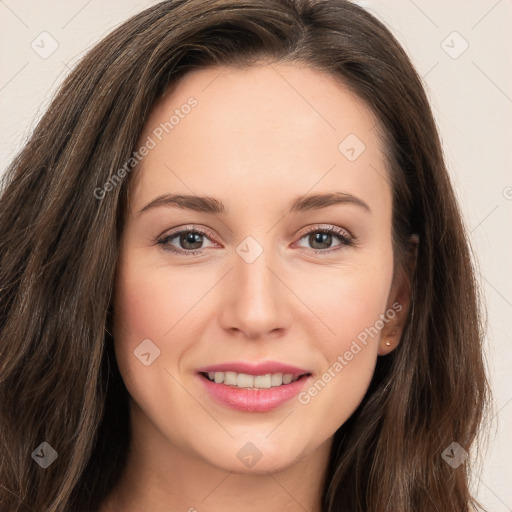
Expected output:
(401, 293)
(392, 332)
(396, 313)
(388, 344)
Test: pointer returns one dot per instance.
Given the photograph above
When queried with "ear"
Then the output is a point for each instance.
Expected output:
(399, 301)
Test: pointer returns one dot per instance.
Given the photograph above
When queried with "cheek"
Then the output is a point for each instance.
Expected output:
(345, 304)
(149, 306)
(348, 310)
(150, 302)
(153, 303)
(144, 309)
(140, 307)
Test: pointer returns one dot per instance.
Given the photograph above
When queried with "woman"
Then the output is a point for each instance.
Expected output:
(176, 335)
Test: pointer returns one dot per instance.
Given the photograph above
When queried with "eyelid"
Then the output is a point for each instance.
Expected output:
(187, 227)
(326, 227)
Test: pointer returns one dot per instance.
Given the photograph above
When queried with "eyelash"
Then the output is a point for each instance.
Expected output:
(346, 239)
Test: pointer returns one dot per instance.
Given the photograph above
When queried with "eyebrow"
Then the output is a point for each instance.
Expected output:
(186, 202)
(211, 205)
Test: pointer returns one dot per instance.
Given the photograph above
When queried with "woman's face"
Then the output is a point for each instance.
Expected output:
(233, 282)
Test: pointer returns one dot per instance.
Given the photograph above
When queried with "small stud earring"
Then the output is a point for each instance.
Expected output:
(388, 343)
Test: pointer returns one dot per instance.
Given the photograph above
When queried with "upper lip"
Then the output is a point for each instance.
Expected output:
(255, 369)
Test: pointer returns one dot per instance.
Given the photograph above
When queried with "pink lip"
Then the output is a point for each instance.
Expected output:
(255, 369)
(254, 400)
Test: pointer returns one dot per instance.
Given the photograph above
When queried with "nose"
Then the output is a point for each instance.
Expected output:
(256, 303)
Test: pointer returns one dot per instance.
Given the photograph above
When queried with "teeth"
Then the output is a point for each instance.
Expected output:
(276, 379)
(263, 381)
(287, 378)
(243, 380)
(230, 378)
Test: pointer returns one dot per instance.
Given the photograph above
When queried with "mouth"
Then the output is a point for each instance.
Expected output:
(252, 382)
(252, 392)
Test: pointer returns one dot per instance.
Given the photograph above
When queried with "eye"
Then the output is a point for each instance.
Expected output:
(189, 241)
(322, 236)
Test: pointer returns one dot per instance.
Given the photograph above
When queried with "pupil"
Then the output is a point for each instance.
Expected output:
(321, 238)
(191, 238)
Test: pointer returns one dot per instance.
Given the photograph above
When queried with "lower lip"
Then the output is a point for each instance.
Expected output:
(253, 400)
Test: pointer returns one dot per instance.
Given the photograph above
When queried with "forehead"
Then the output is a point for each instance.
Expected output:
(288, 125)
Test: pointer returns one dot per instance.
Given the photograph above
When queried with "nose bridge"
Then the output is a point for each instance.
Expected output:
(255, 304)
(252, 272)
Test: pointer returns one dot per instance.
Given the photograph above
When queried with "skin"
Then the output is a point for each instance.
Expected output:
(258, 138)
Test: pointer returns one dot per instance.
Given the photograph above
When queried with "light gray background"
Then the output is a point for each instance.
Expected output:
(471, 94)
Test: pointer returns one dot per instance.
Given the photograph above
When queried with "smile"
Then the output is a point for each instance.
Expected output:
(256, 397)
(244, 380)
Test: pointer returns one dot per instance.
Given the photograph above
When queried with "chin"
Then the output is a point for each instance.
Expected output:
(253, 454)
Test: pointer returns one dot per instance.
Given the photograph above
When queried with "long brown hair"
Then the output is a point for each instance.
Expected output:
(59, 381)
